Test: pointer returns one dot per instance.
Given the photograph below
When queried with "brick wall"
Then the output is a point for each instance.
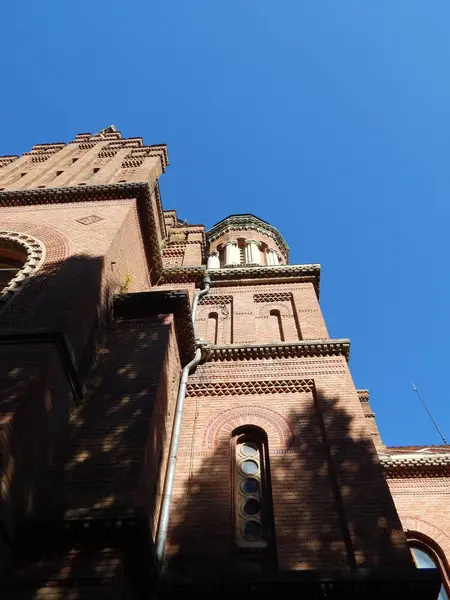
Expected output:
(87, 260)
(87, 160)
(423, 506)
(331, 503)
(244, 313)
(111, 466)
(185, 244)
(111, 428)
(35, 403)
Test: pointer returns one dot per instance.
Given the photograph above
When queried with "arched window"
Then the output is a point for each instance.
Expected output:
(13, 257)
(20, 257)
(276, 326)
(212, 327)
(426, 557)
(252, 500)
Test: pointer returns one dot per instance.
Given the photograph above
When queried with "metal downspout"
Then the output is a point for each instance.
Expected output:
(163, 523)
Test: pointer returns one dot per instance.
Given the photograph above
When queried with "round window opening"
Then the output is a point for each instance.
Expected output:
(249, 467)
(251, 507)
(250, 486)
(252, 531)
(249, 449)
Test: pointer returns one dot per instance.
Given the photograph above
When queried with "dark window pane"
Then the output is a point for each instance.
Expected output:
(251, 507)
(250, 486)
(252, 531)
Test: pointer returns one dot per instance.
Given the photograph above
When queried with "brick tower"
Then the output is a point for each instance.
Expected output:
(175, 418)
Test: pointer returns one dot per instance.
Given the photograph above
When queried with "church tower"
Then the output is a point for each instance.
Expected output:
(175, 418)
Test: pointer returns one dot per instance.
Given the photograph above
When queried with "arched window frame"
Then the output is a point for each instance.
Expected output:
(262, 552)
(35, 256)
(435, 552)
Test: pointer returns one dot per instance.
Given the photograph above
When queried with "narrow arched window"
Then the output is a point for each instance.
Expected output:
(276, 326)
(252, 501)
(212, 327)
(425, 558)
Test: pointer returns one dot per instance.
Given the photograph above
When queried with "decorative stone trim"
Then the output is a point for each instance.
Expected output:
(305, 348)
(35, 257)
(241, 388)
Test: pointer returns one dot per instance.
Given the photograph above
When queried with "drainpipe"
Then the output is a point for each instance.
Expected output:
(163, 523)
(199, 294)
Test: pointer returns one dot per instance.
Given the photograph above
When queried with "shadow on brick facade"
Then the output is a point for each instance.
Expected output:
(332, 509)
(80, 481)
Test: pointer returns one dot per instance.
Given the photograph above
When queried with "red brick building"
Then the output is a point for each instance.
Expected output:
(174, 416)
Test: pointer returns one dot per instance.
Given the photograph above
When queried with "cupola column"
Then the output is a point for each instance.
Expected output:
(232, 256)
(252, 253)
(272, 257)
(213, 260)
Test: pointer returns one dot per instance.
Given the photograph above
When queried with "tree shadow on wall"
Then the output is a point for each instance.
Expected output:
(332, 507)
(35, 395)
(81, 488)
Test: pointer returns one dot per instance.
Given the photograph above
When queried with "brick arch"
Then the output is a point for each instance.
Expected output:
(278, 429)
(283, 307)
(57, 245)
(418, 525)
(32, 252)
(56, 248)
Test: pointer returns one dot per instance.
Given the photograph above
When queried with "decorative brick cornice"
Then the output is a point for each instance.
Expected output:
(304, 348)
(278, 273)
(42, 152)
(215, 299)
(248, 221)
(431, 464)
(273, 297)
(6, 160)
(182, 275)
(241, 388)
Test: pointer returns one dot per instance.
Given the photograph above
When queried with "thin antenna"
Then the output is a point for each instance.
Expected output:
(429, 414)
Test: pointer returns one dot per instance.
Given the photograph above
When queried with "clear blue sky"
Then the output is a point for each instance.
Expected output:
(330, 119)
